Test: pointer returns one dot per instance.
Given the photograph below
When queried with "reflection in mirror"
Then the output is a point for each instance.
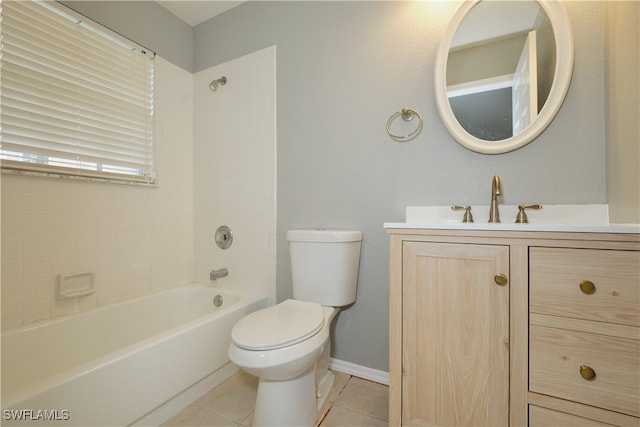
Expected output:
(500, 68)
(537, 100)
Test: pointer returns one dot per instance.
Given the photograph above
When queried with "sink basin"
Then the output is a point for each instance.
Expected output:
(567, 218)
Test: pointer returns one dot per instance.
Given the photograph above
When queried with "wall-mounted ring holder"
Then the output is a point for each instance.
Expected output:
(224, 237)
(407, 115)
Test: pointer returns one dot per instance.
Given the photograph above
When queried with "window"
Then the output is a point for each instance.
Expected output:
(77, 99)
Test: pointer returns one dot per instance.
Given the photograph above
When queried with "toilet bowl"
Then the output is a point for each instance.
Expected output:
(287, 346)
(292, 367)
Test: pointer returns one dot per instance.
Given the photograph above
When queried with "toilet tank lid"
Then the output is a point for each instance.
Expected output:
(324, 235)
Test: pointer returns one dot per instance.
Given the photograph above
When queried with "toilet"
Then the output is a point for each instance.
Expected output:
(287, 345)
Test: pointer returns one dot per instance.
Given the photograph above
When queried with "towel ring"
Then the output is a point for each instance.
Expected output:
(407, 114)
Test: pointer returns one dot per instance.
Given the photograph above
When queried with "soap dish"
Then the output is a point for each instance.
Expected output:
(76, 285)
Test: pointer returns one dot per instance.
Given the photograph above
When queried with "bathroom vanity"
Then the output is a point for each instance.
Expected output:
(509, 324)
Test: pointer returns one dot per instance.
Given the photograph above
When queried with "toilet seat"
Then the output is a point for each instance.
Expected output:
(281, 325)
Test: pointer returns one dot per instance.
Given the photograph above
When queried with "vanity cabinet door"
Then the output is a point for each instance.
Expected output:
(455, 334)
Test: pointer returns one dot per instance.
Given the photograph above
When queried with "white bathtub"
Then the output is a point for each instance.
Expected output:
(113, 365)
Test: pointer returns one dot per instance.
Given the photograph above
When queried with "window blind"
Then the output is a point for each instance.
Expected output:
(76, 99)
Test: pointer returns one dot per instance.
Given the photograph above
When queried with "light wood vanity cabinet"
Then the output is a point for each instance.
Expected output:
(508, 328)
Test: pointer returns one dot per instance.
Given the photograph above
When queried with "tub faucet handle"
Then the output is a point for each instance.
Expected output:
(223, 272)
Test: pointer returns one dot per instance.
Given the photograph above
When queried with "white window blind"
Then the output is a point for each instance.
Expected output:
(76, 99)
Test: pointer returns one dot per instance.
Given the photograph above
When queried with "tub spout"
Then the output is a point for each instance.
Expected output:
(218, 273)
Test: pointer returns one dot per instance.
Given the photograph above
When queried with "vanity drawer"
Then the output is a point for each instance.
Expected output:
(556, 357)
(544, 417)
(556, 287)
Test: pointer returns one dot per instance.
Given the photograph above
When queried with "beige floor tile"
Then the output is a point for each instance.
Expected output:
(234, 399)
(365, 396)
(340, 381)
(196, 416)
(344, 417)
(353, 402)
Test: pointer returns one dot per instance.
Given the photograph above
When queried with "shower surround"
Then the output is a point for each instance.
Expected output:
(235, 171)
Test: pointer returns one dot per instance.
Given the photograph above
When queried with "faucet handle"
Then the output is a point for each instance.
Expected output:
(467, 212)
(522, 216)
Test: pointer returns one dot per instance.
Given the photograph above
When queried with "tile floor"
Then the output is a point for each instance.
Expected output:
(353, 402)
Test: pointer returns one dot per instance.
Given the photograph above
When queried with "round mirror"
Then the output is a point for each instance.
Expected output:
(502, 72)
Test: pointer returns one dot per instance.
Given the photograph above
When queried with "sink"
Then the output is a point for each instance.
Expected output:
(549, 214)
(568, 218)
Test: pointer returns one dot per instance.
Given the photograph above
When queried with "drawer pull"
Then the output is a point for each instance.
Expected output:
(587, 287)
(587, 373)
(500, 279)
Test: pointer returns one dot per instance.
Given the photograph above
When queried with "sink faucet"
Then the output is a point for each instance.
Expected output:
(494, 214)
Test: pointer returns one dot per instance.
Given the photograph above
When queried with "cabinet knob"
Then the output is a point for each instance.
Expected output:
(587, 373)
(500, 279)
(587, 287)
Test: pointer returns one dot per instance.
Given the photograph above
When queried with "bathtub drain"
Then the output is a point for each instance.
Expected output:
(217, 300)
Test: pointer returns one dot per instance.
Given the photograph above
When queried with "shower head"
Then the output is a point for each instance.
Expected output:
(214, 83)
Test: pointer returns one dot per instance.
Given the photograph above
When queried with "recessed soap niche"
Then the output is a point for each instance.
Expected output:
(75, 285)
(74, 292)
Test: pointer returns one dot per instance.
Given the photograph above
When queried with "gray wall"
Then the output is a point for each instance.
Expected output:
(343, 68)
(622, 112)
(145, 22)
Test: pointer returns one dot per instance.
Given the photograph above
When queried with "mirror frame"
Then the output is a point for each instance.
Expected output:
(561, 81)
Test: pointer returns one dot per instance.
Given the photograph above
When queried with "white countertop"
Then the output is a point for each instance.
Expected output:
(559, 218)
(518, 227)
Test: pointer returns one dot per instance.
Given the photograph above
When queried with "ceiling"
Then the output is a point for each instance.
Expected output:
(195, 12)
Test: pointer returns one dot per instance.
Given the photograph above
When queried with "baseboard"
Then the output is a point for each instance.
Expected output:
(371, 374)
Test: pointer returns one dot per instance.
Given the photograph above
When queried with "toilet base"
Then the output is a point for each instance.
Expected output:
(286, 403)
(296, 402)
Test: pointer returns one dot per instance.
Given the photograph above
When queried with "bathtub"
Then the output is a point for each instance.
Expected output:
(113, 365)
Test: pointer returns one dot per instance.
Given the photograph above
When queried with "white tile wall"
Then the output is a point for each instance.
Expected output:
(235, 171)
(140, 240)
(137, 240)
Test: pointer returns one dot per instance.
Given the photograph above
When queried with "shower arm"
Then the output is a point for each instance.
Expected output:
(214, 83)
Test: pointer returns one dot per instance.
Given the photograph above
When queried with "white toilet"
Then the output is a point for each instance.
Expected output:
(287, 345)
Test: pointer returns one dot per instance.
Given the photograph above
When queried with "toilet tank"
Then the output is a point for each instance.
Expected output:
(324, 265)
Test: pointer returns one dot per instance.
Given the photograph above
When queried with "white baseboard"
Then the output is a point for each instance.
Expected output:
(371, 374)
